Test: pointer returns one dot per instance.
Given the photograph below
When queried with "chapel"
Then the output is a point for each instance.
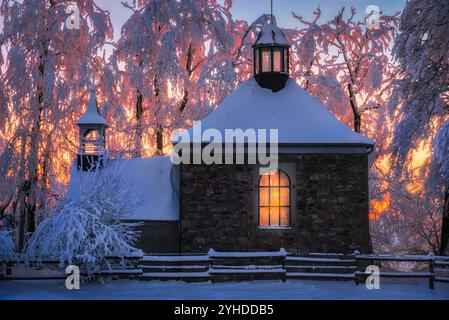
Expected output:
(314, 200)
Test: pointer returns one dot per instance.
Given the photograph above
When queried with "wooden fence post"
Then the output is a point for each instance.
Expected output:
(284, 258)
(8, 268)
(358, 267)
(432, 274)
(210, 253)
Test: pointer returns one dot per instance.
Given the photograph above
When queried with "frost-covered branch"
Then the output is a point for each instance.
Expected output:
(7, 251)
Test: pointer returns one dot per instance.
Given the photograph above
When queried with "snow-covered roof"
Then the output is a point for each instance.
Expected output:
(299, 117)
(91, 116)
(155, 181)
(271, 34)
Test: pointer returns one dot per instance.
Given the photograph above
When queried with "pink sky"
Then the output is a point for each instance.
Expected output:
(249, 10)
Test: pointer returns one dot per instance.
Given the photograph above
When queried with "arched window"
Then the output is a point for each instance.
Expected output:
(274, 199)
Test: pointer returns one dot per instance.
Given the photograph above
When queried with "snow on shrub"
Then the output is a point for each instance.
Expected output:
(7, 250)
(87, 225)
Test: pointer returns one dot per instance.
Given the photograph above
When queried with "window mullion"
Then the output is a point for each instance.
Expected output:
(269, 203)
(281, 56)
(258, 202)
(289, 203)
(279, 197)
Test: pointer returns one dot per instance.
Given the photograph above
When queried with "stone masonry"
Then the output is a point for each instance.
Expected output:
(219, 208)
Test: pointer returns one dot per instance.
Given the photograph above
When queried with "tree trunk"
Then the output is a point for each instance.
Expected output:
(139, 113)
(189, 66)
(18, 203)
(29, 185)
(3, 205)
(357, 122)
(27, 190)
(27, 196)
(160, 139)
(185, 99)
(159, 128)
(444, 247)
(27, 212)
(355, 111)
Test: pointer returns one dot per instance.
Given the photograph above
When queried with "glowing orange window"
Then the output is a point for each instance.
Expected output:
(277, 63)
(266, 60)
(274, 199)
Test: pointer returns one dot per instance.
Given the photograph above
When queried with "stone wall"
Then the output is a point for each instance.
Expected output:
(158, 236)
(218, 206)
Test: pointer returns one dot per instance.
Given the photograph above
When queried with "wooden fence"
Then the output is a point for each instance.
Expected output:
(436, 268)
(237, 266)
(52, 270)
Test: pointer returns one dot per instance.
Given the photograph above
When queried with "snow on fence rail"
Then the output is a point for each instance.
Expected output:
(214, 254)
(407, 258)
(166, 258)
(317, 259)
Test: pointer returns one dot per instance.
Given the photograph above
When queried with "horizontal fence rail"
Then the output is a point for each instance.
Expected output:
(236, 266)
(48, 269)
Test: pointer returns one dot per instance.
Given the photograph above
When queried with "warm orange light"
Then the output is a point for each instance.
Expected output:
(379, 206)
(417, 160)
(274, 199)
(420, 155)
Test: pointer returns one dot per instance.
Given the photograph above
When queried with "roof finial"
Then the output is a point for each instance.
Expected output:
(92, 84)
(271, 11)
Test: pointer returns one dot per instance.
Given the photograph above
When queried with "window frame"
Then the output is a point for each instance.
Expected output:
(289, 169)
(284, 62)
(278, 187)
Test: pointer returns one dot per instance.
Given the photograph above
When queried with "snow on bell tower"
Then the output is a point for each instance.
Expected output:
(271, 57)
(92, 136)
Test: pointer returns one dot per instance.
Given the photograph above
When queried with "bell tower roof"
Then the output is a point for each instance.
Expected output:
(92, 115)
(271, 34)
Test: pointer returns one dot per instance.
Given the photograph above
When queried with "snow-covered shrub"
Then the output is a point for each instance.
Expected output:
(7, 250)
(441, 151)
(87, 226)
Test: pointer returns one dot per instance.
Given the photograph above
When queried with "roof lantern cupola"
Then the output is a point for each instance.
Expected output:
(271, 57)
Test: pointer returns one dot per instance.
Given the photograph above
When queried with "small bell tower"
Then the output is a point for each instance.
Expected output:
(92, 136)
(271, 57)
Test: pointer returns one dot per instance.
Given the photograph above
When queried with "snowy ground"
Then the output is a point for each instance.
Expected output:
(270, 290)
